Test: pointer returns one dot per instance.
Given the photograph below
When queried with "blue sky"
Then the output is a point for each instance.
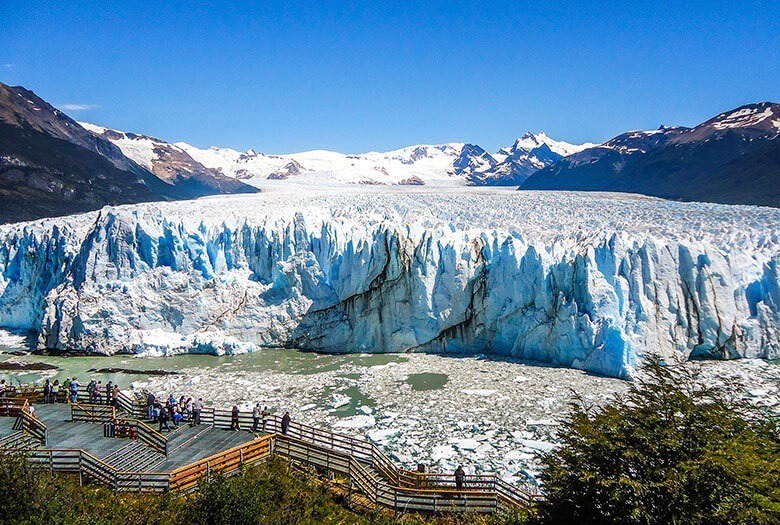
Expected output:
(358, 76)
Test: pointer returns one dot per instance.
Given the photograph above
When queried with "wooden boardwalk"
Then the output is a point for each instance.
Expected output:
(73, 439)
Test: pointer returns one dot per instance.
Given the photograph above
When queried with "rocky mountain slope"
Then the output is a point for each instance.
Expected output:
(733, 158)
(50, 165)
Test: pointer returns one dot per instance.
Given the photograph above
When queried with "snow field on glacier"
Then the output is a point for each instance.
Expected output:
(589, 281)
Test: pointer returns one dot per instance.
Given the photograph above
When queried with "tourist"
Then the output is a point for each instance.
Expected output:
(255, 417)
(264, 415)
(163, 419)
(55, 391)
(157, 409)
(197, 406)
(460, 477)
(171, 400)
(74, 389)
(47, 391)
(91, 390)
(285, 422)
(97, 393)
(150, 406)
(109, 393)
(177, 416)
(66, 389)
(188, 410)
(115, 395)
(2, 387)
(234, 419)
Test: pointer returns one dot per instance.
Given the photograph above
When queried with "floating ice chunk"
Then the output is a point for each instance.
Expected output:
(380, 436)
(478, 392)
(542, 446)
(310, 406)
(360, 421)
(541, 422)
(440, 452)
(466, 444)
(366, 410)
(339, 400)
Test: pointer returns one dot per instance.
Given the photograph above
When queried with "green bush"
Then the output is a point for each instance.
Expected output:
(670, 450)
(263, 494)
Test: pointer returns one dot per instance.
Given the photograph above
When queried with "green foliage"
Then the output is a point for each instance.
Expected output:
(670, 450)
(264, 494)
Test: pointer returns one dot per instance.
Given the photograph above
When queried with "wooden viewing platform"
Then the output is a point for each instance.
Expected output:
(73, 439)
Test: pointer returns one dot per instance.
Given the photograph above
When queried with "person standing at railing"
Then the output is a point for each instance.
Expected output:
(115, 396)
(460, 477)
(2, 388)
(97, 393)
(55, 391)
(234, 419)
(110, 393)
(256, 417)
(150, 406)
(47, 391)
(197, 406)
(74, 389)
(188, 410)
(264, 415)
(286, 422)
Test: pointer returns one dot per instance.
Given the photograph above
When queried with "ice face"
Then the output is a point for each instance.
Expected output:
(581, 280)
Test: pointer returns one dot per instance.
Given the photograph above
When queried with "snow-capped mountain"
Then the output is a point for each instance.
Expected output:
(452, 164)
(732, 158)
(168, 162)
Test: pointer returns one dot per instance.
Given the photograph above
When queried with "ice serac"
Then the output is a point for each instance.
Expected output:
(503, 272)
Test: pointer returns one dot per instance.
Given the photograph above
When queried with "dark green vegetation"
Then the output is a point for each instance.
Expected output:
(265, 494)
(670, 450)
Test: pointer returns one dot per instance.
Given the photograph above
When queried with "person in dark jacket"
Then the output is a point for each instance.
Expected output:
(47, 389)
(234, 419)
(163, 418)
(460, 477)
(285, 422)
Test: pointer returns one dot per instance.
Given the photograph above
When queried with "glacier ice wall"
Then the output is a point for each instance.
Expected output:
(188, 279)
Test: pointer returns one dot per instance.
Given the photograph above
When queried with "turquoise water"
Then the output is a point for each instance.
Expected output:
(277, 359)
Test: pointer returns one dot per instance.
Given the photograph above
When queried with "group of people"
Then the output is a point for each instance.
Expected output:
(68, 390)
(184, 410)
(259, 418)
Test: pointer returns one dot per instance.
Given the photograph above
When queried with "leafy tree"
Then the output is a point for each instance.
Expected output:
(670, 450)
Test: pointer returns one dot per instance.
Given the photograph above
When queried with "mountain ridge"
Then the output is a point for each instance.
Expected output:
(731, 158)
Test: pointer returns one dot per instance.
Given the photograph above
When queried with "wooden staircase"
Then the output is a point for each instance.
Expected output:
(135, 457)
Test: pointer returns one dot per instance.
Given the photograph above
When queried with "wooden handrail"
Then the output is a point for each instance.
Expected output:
(148, 435)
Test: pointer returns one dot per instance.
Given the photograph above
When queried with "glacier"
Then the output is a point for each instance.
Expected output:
(589, 281)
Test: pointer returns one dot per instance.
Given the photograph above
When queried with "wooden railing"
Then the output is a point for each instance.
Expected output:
(12, 406)
(226, 462)
(83, 413)
(149, 436)
(91, 468)
(368, 468)
(34, 427)
(131, 405)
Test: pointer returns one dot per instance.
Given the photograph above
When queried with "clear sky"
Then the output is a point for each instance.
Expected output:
(357, 75)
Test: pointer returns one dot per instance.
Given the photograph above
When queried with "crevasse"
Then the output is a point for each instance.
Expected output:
(134, 281)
